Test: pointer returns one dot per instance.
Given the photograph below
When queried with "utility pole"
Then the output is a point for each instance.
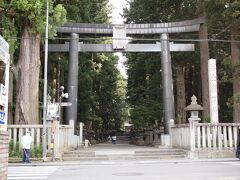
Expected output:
(44, 140)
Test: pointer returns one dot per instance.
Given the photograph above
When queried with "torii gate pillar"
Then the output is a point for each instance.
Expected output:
(72, 84)
(168, 96)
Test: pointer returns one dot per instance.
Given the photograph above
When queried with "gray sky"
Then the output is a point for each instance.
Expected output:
(117, 19)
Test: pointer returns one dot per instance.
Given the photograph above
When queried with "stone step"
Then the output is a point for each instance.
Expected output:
(167, 151)
(127, 155)
(151, 154)
(80, 152)
(124, 157)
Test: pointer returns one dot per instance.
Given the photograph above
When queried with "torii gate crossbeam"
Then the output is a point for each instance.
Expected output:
(119, 33)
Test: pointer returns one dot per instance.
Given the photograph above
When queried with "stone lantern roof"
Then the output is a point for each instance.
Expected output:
(194, 106)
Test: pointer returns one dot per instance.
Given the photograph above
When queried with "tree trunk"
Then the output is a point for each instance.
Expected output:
(204, 55)
(235, 54)
(181, 100)
(27, 71)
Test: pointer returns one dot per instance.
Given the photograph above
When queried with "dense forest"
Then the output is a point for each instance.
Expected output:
(105, 98)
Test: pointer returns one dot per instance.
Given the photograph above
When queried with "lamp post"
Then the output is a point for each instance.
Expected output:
(44, 139)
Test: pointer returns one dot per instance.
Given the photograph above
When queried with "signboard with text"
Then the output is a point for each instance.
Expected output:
(52, 110)
(2, 117)
(3, 95)
(213, 94)
(4, 57)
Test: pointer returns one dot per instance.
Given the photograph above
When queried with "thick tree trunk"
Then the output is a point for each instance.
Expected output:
(181, 100)
(28, 67)
(235, 53)
(204, 57)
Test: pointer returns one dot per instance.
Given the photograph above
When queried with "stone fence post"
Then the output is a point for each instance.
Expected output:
(193, 123)
(71, 135)
(81, 134)
(56, 140)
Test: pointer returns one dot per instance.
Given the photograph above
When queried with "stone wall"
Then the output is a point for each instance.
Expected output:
(3, 155)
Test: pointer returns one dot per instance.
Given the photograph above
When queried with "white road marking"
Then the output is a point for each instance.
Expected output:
(30, 172)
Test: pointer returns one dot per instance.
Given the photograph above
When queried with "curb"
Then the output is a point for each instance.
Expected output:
(67, 163)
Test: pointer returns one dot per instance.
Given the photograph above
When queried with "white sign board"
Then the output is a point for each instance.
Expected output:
(213, 95)
(3, 95)
(119, 37)
(4, 57)
(52, 110)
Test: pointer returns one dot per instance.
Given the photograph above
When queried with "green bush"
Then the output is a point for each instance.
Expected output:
(15, 152)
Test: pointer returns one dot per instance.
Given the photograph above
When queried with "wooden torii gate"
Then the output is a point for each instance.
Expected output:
(120, 43)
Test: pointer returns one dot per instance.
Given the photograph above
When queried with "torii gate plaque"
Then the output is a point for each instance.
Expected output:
(120, 43)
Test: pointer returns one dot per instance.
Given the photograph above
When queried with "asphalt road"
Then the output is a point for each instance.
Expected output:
(133, 170)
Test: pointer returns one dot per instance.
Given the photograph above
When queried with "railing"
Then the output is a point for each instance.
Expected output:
(62, 136)
(203, 136)
(17, 131)
(217, 136)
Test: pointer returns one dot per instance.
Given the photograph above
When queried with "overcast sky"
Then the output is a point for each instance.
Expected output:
(117, 10)
(118, 6)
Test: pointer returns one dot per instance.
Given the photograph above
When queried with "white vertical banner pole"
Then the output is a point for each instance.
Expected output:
(213, 95)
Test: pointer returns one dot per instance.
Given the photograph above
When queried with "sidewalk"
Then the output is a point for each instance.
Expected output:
(112, 149)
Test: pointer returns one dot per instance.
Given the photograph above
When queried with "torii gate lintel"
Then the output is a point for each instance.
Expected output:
(119, 33)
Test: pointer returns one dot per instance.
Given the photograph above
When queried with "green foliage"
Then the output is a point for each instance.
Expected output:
(19, 13)
(15, 152)
(153, 11)
(36, 152)
(144, 93)
(221, 16)
(86, 11)
(145, 115)
(32, 12)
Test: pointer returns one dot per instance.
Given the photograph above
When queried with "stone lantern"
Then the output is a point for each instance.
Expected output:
(194, 108)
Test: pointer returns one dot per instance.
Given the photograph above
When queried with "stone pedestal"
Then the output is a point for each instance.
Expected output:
(3, 154)
(156, 140)
(165, 140)
(147, 138)
(139, 140)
